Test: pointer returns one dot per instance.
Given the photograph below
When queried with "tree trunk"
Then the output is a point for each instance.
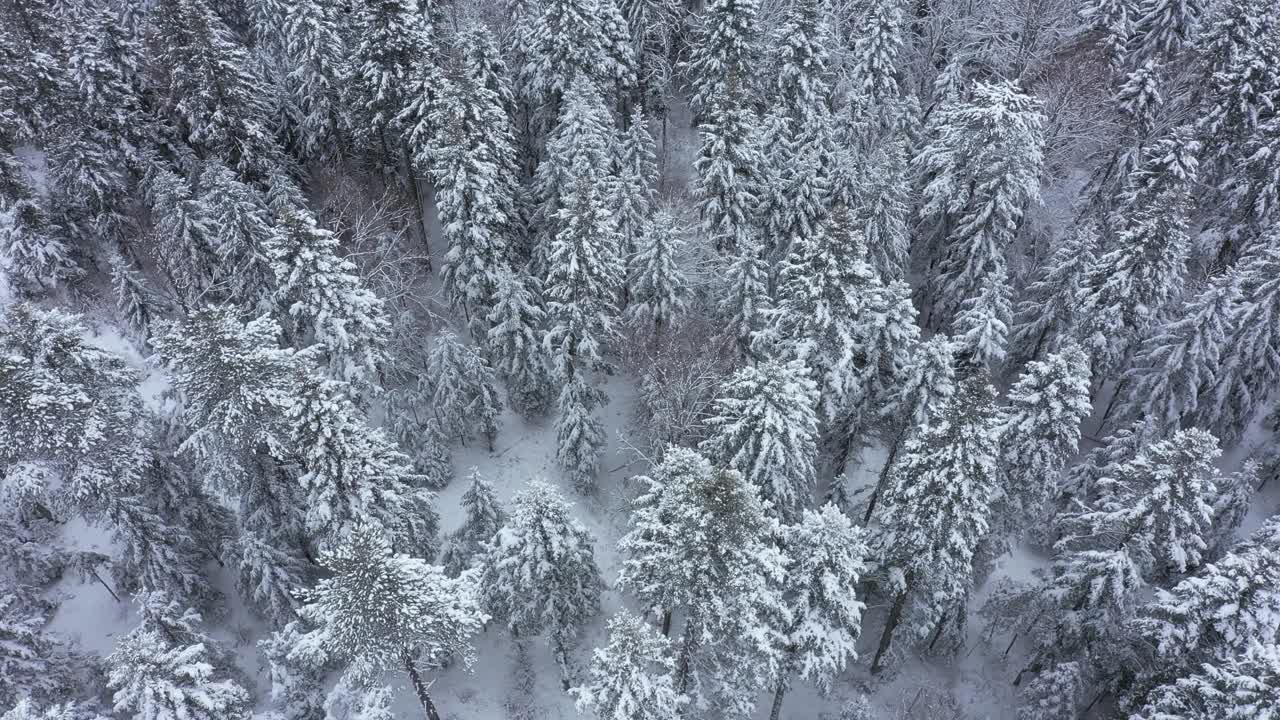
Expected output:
(666, 623)
(1111, 406)
(685, 663)
(884, 476)
(420, 688)
(777, 699)
(937, 634)
(891, 623)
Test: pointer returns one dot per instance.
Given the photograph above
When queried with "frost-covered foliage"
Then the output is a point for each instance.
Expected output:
(631, 676)
(465, 400)
(539, 571)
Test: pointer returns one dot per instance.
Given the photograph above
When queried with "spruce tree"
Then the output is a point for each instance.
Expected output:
(746, 301)
(576, 41)
(483, 518)
(730, 170)
(1046, 313)
(982, 164)
(394, 38)
(763, 425)
(637, 173)
(826, 554)
(1053, 695)
(631, 676)
(379, 609)
(465, 398)
(540, 573)
(657, 285)
(319, 69)
(937, 509)
(30, 248)
(515, 340)
(1239, 686)
(701, 544)
(167, 668)
(726, 55)
(320, 291)
(1040, 429)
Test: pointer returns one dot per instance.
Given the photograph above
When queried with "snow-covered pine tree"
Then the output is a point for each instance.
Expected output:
(730, 170)
(379, 609)
(1130, 283)
(30, 666)
(1234, 687)
(726, 54)
(296, 685)
(981, 326)
(320, 291)
(794, 197)
(1114, 18)
(630, 678)
(764, 426)
(928, 382)
(240, 221)
(30, 249)
(874, 68)
(658, 287)
(982, 164)
(167, 668)
(394, 37)
(465, 398)
(319, 69)
(1172, 365)
(1054, 694)
(702, 544)
(746, 302)
(577, 41)
(1162, 28)
(1046, 313)
(883, 210)
(577, 150)
(186, 239)
(540, 573)
(475, 169)
(515, 342)
(1245, 373)
(827, 553)
(1040, 430)
(936, 510)
(208, 88)
(482, 520)
(1220, 610)
(637, 174)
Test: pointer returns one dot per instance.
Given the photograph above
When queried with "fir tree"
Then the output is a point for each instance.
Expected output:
(1053, 695)
(637, 173)
(982, 163)
(30, 248)
(167, 668)
(746, 300)
(575, 41)
(827, 553)
(700, 543)
(937, 509)
(515, 340)
(1232, 688)
(730, 173)
(466, 394)
(658, 286)
(1040, 432)
(540, 573)
(240, 232)
(883, 210)
(875, 69)
(483, 518)
(982, 325)
(580, 437)
(727, 54)
(763, 426)
(928, 383)
(1162, 27)
(380, 609)
(321, 292)
(394, 39)
(631, 676)
(1046, 314)
(319, 71)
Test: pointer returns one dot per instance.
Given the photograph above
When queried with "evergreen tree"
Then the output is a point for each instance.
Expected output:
(321, 292)
(186, 239)
(746, 300)
(167, 668)
(937, 509)
(540, 573)
(874, 67)
(730, 173)
(483, 518)
(466, 393)
(624, 684)
(1053, 695)
(577, 41)
(30, 248)
(700, 543)
(827, 553)
(1040, 432)
(982, 325)
(319, 72)
(657, 284)
(982, 163)
(1130, 283)
(515, 340)
(1162, 27)
(726, 55)
(793, 201)
(24, 710)
(763, 426)
(474, 167)
(883, 210)
(637, 173)
(380, 609)
(239, 233)
(1232, 688)
(29, 663)
(927, 386)
(394, 40)
(1047, 313)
